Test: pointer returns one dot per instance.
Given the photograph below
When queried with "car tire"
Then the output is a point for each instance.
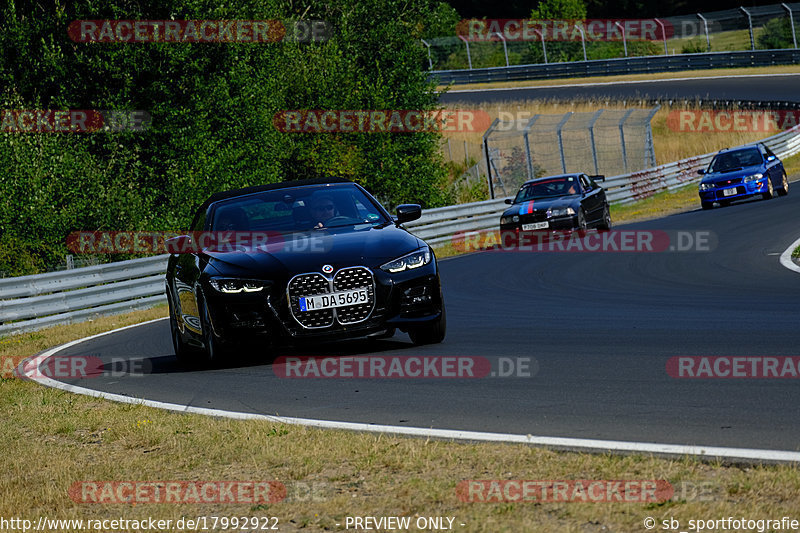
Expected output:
(605, 222)
(581, 220)
(215, 349)
(431, 333)
(183, 351)
(707, 205)
(770, 190)
(784, 190)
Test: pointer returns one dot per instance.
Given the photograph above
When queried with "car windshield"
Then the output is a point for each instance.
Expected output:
(547, 188)
(737, 160)
(297, 209)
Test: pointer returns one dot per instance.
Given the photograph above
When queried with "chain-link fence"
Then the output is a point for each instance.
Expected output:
(502, 43)
(606, 141)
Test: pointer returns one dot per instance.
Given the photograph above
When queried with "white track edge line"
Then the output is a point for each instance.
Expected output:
(557, 442)
(786, 257)
(623, 82)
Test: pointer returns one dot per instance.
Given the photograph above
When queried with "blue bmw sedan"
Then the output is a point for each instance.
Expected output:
(737, 173)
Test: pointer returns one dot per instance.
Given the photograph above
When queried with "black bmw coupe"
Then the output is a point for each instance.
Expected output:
(556, 203)
(302, 260)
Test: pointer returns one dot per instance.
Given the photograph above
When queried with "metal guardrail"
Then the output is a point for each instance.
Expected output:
(618, 66)
(33, 302)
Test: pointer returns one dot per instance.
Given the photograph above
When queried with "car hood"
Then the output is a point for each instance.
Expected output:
(716, 177)
(368, 245)
(542, 204)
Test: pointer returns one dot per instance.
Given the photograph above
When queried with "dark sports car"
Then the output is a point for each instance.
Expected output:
(738, 173)
(558, 203)
(314, 259)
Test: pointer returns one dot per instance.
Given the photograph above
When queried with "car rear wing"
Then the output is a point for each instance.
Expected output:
(598, 177)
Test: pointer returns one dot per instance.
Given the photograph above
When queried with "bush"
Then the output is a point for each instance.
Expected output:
(212, 107)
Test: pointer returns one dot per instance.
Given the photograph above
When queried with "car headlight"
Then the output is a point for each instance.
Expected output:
(509, 220)
(409, 261)
(235, 286)
(560, 212)
(706, 186)
(753, 177)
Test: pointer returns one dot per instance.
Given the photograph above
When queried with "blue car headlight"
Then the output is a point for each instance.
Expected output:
(753, 177)
(509, 220)
(560, 212)
(408, 261)
(236, 286)
(706, 186)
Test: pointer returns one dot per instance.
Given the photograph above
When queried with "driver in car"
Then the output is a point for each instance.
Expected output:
(322, 210)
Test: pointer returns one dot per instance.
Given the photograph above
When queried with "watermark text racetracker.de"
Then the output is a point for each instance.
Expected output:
(72, 120)
(72, 367)
(381, 120)
(198, 31)
(404, 367)
(726, 121)
(638, 241)
(733, 367)
(172, 242)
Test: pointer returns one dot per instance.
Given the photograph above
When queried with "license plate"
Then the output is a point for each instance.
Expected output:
(535, 225)
(334, 299)
(729, 192)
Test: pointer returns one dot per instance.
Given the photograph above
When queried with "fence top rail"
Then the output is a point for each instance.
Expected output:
(623, 60)
(81, 271)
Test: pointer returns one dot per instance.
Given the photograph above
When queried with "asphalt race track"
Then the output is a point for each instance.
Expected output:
(770, 87)
(599, 326)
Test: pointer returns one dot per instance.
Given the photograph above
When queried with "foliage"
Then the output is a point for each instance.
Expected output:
(777, 34)
(212, 106)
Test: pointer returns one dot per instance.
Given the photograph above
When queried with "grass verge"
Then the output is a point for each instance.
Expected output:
(53, 439)
(783, 69)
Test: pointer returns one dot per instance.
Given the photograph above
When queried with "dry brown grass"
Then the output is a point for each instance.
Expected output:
(670, 145)
(51, 439)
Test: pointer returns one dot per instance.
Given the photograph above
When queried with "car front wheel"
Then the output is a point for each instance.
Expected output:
(605, 223)
(431, 333)
(770, 190)
(784, 190)
(216, 349)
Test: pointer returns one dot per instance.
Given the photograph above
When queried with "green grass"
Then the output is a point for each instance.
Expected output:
(52, 439)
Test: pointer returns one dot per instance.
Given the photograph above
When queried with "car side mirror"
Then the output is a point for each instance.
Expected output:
(408, 212)
(178, 244)
(701, 171)
(509, 201)
(771, 158)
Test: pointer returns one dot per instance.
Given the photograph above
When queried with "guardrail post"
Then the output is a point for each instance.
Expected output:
(544, 48)
(469, 57)
(649, 147)
(750, 26)
(583, 40)
(486, 153)
(430, 61)
(466, 155)
(591, 139)
(705, 26)
(663, 35)
(791, 21)
(622, 139)
(505, 48)
(624, 40)
(528, 153)
(561, 142)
